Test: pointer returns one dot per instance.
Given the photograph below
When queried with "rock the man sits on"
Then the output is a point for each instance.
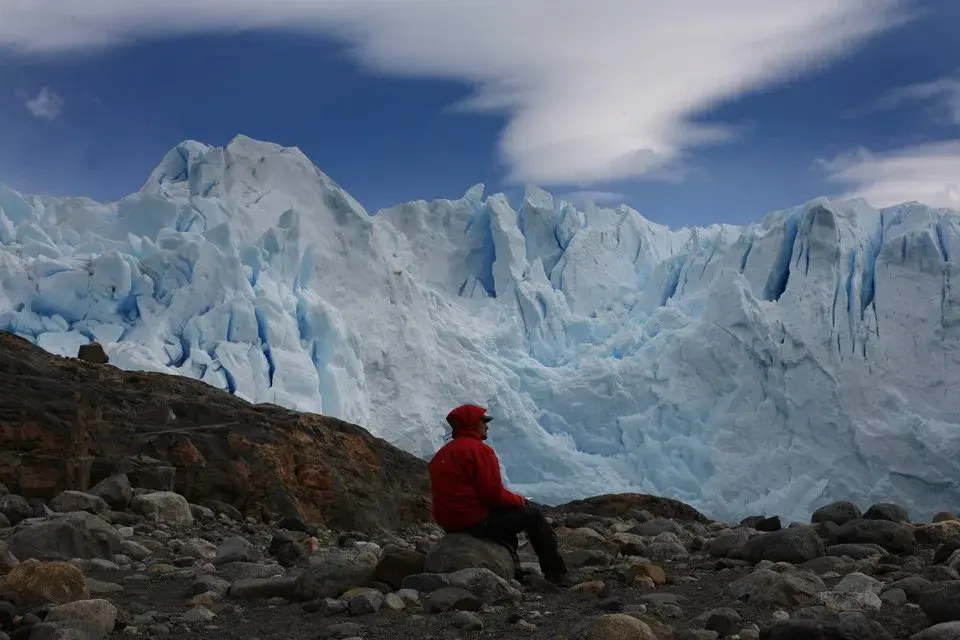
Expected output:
(469, 496)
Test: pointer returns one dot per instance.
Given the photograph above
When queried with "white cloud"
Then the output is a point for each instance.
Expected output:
(594, 91)
(945, 92)
(47, 104)
(596, 197)
(927, 173)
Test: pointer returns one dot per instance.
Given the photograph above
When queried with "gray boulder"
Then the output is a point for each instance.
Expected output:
(796, 544)
(458, 551)
(839, 512)
(115, 491)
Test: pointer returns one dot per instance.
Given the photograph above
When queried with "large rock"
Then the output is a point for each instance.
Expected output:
(15, 508)
(57, 414)
(99, 613)
(486, 585)
(615, 626)
(887, 511)
(163, 506)
(771, 588)
(67, 501)
(458, 551)
(942, 631)
(114, 490)
(236, 549)
(941, 601)
(53, 582)
(796, 544)
(839, 512)
(850, 628)
(336, 570)
(396, 564)
(65, 536)
(892, 536)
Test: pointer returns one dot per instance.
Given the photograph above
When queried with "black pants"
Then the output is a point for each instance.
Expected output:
(503, 525)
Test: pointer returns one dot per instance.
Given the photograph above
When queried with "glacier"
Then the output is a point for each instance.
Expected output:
(770, 368)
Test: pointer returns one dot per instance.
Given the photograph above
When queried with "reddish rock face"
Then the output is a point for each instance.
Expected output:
(67, 424)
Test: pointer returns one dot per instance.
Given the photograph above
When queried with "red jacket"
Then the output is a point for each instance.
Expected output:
(465, 482)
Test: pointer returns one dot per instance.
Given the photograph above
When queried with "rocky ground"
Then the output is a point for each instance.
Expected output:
(119, 562)
(139, 505)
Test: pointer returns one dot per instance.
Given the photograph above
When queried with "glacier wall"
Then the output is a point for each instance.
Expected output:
(769, 368)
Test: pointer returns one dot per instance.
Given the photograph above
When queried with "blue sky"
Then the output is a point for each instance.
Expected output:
(762, 111)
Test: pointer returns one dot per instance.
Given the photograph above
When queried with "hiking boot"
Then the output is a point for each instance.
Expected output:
(566, 580)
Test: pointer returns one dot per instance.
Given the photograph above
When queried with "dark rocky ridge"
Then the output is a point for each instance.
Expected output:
(67, 424)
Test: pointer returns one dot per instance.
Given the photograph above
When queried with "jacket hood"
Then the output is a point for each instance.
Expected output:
(466, 419)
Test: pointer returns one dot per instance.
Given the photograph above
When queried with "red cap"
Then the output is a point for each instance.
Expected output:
(467, 416)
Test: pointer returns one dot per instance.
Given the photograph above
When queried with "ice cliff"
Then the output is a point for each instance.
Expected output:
(770, 368)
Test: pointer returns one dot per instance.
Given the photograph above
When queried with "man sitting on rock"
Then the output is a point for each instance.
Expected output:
(469, 496)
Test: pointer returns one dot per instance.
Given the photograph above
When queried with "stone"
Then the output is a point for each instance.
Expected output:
(65, 536)
(163, 506)
(656, 526)
(629, 544)
(945, 531)
(92, 353)
(222, 508)
(396, 563)
(198, 614)
(336, 570)
(894, 597)
(767, 587)
(394, 602)
(942, 631)
(796, 545)
(724, 622)
(236, 549)
(35, 582)
(854, 628)
(894, 537)
(666, 546)
(451, 598)
(425, 582)
(363, 601)
(100, 613)
(652, 571)
(486, 585)
(7, 560)
(15, 508)
(887, 511)
(763, 523)
(467, 620)
(855, 551)
(206, 583)
(843, 601)
(297, 588)
(941, 601)
(591, 588)
(285, 550)
(824, 564)
(67, 501)
(945, 516)
(728, 543)
(462, 551)
(115, 490)
(615, 626)
(840, 513)
(857, 582)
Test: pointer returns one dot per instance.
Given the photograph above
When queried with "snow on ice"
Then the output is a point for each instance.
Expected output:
(770, 368)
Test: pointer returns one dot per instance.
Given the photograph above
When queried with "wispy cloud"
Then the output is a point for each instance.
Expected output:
(944, 93)
(47, 104)
(593, 91)
(928, 173)
(596, 197)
